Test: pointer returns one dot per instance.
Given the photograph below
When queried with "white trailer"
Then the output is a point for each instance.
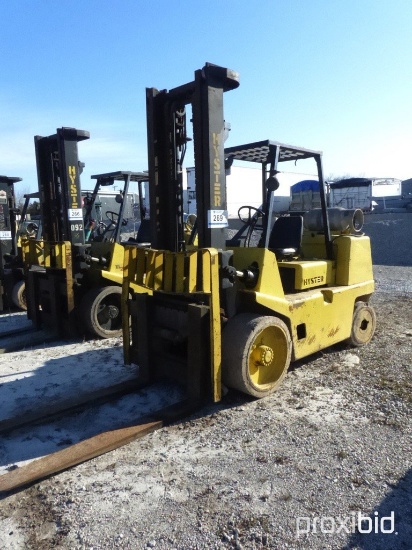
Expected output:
(366, 193)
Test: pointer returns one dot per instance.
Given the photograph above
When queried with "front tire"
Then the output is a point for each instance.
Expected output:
(256, 353)
(100, 311)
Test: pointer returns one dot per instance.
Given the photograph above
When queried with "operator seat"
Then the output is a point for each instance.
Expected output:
(143, 237)
(286, 237)
(144, 231)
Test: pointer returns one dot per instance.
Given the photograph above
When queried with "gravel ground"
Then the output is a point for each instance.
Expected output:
(391, 238)
(290, 471)
(299, 469)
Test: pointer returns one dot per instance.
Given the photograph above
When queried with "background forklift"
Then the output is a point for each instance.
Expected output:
(14, 228)
(74, 276)
(26, 228)
(8, 239)
(239, 314)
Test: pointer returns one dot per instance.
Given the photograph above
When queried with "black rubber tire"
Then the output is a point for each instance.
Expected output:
(100, 311)
(18, 295)
(249, 339)
(363, 325)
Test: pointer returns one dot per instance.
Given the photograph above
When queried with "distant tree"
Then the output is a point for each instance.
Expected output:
(19, 193)
(337, 177)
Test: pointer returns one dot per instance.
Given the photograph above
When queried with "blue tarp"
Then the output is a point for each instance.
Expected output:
(305, 185)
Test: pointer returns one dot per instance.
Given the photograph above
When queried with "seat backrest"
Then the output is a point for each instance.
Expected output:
(286, 233)
(143, 233)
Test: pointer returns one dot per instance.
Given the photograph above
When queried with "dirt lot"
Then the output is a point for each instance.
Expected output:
(294, 470)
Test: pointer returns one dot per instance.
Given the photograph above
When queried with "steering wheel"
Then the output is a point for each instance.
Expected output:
(251, 219)
(113, 217)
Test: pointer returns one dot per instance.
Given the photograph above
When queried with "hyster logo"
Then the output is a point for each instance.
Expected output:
(313, 280)
(217, 195)
(356, 521)
(73, 187)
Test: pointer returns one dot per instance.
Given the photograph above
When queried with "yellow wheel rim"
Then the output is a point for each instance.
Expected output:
(268, 357)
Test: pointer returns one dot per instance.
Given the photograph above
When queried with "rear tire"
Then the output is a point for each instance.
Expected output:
(18, 295)
(256, 353)
(363, 324)
(100, 311)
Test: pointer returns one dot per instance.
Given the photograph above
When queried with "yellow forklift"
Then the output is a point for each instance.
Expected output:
(224, 312)
(8, 239)
(74, 274)
(25, 228)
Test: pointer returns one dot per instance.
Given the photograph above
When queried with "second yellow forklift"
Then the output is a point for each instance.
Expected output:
(74, 276)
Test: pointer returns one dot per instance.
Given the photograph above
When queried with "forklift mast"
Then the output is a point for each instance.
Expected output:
(58, 170)
(167, 140)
